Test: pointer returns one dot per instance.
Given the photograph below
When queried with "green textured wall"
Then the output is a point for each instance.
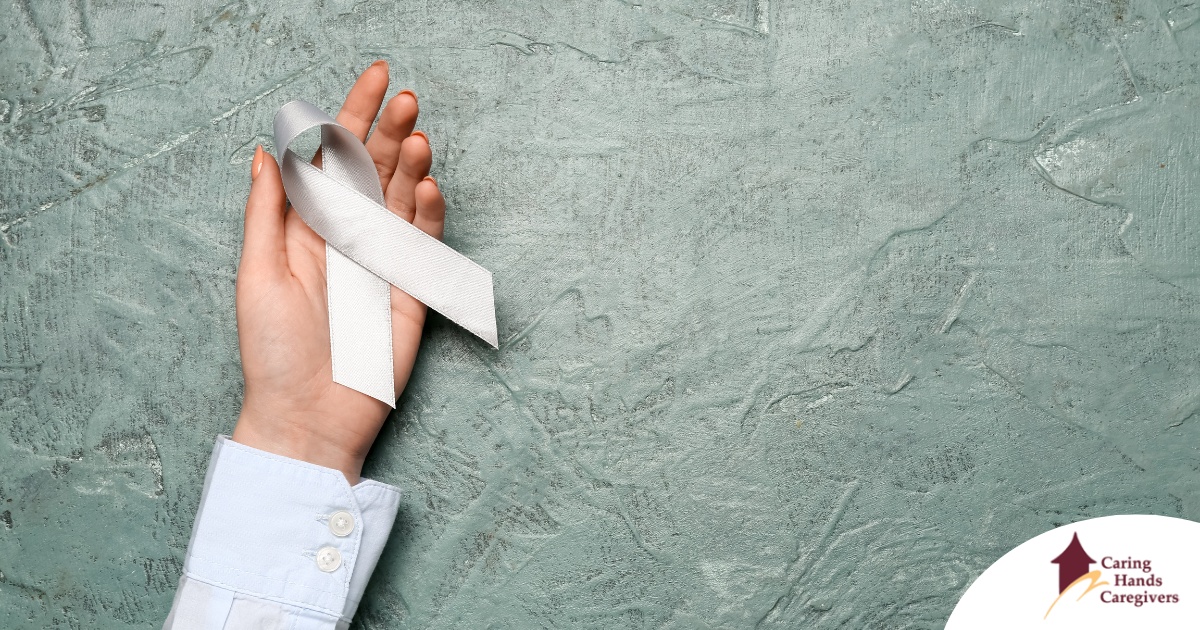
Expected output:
(809, 310)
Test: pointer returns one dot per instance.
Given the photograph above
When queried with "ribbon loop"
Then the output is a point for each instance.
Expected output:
(368, 248)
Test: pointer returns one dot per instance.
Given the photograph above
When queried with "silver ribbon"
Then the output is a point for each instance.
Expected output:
(367, 248)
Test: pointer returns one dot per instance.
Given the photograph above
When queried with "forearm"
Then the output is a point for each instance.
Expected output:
(279, 543)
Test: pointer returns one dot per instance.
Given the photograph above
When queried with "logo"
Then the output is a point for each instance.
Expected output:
(1135, 571)
(1074, 569)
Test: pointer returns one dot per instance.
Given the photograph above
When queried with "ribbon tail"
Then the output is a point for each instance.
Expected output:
(360, 328)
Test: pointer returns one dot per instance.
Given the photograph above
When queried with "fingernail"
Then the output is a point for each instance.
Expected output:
(423, 136)
(408, 92)
(256, 165)
(379, 62)
(431, 179)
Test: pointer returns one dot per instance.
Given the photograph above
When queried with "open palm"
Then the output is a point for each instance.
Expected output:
(291, 406)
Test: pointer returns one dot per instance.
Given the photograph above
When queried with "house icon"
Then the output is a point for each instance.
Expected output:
(1073, 563)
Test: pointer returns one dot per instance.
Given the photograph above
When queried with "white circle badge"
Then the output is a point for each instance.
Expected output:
(1127, 571)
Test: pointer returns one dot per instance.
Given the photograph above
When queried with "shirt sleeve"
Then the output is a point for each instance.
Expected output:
(279, 544)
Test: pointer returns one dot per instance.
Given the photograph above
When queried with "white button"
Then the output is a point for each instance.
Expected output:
(341, 524)
(328, 559)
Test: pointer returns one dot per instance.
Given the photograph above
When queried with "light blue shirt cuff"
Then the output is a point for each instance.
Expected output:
(288, 531)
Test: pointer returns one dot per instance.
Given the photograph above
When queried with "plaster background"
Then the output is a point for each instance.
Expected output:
(809, 311)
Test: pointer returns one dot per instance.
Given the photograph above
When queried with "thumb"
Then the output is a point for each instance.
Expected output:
(263, 246)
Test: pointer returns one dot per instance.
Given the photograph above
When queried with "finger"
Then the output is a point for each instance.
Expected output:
(411, 168)
(366, 96)
(395, 124)
(431, 208)
(362, 103)
(264, 248)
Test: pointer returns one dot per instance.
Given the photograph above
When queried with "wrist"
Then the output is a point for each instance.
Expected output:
(296, 440)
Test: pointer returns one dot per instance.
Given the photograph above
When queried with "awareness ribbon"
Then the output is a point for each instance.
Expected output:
(367, 248)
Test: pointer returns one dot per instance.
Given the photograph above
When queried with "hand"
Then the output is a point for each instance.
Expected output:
(291, 406)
